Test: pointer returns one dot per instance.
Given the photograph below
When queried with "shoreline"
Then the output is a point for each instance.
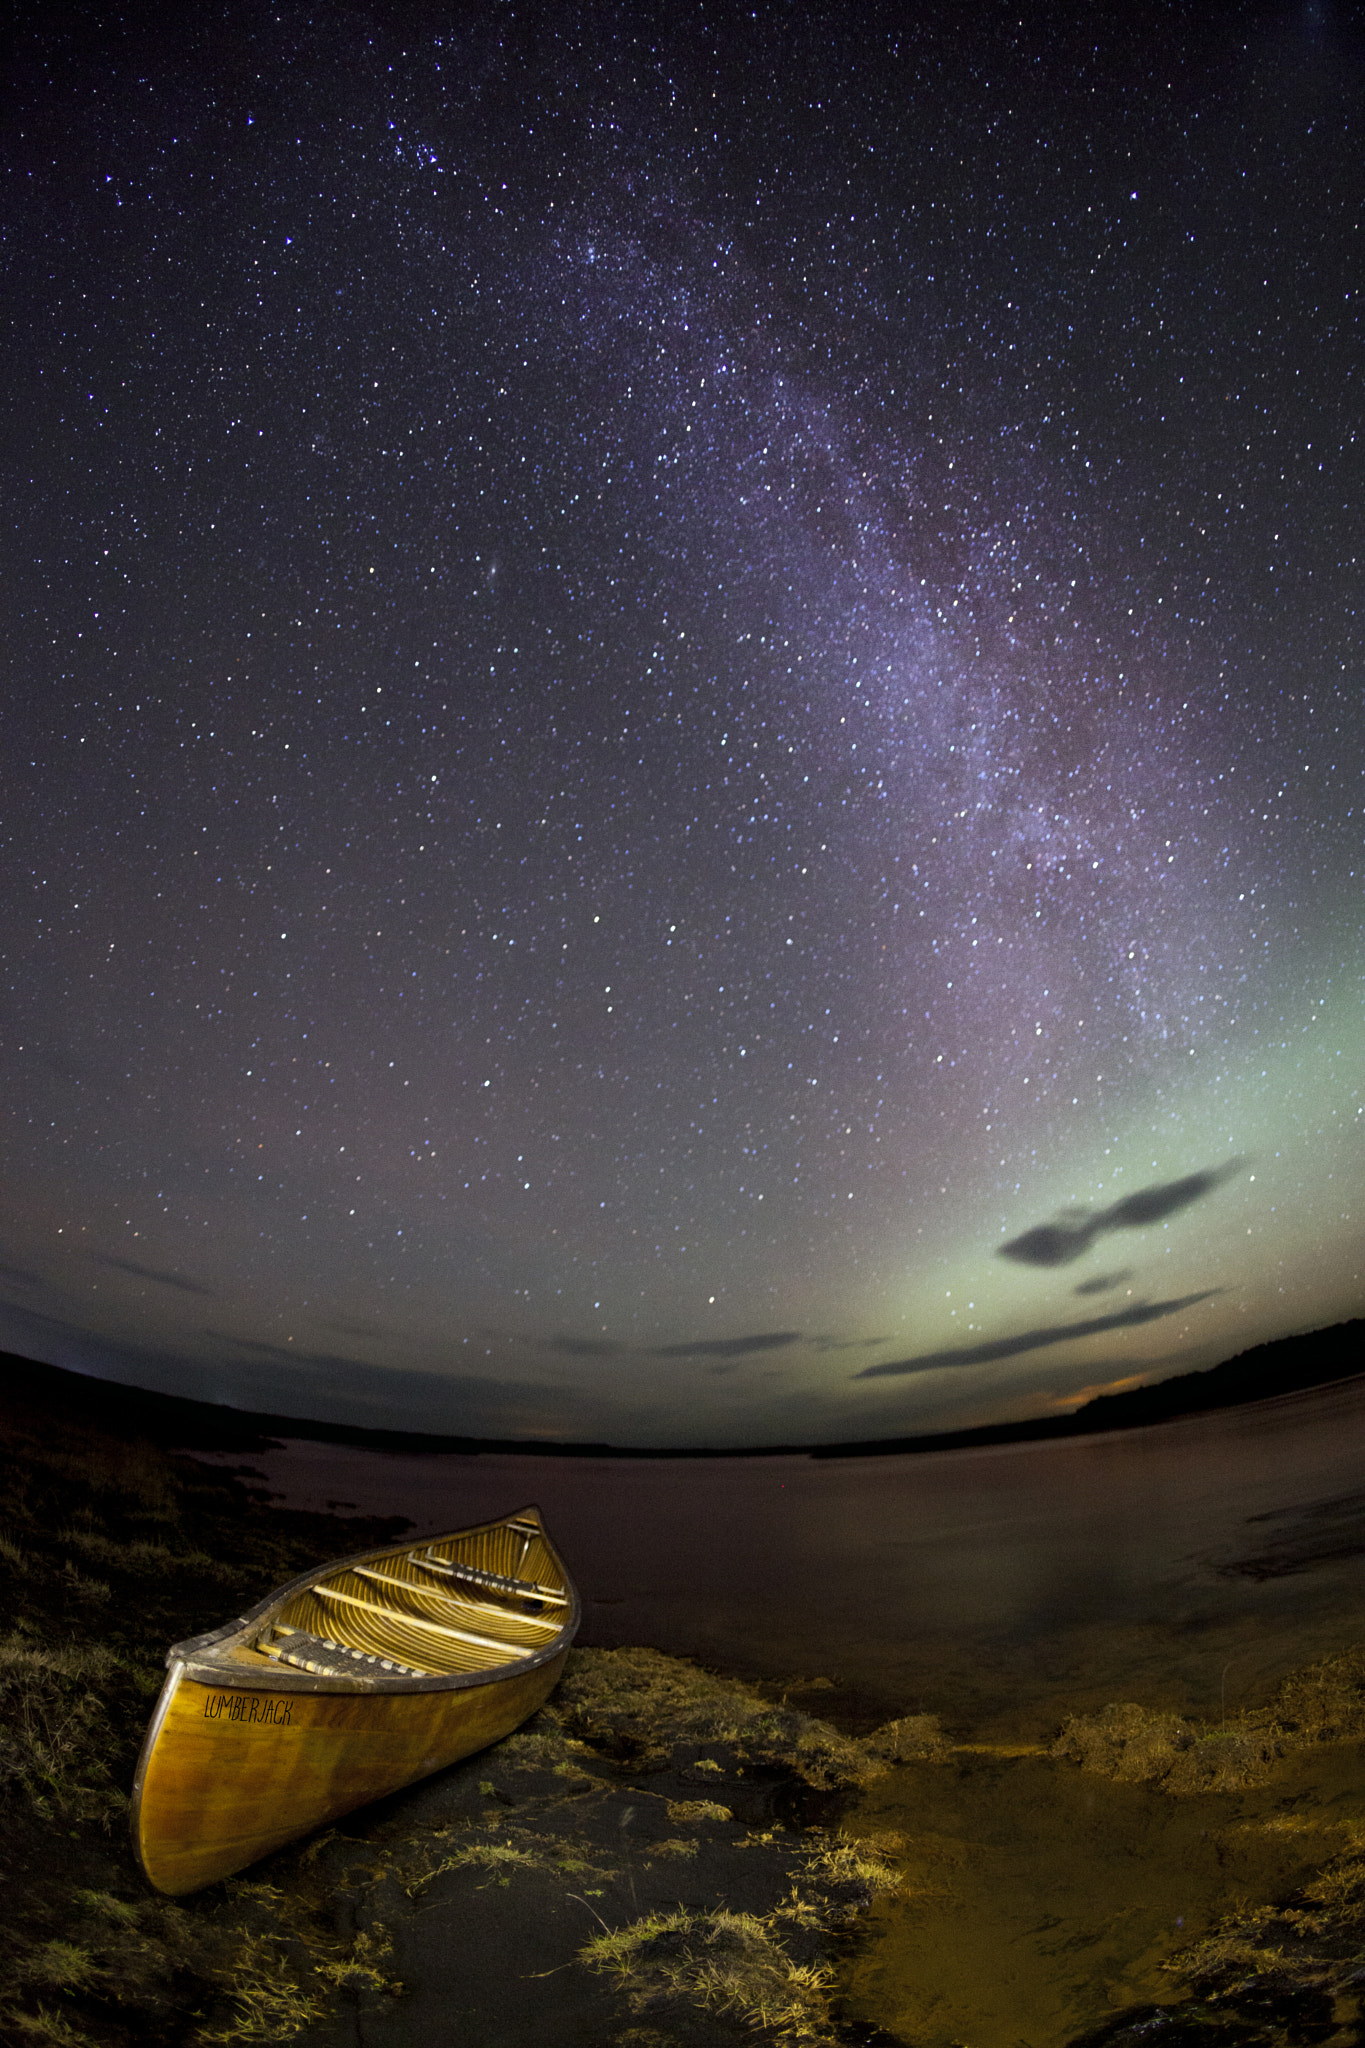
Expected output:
(1285, 1365)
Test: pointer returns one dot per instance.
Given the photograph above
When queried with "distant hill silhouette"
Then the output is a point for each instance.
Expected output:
(1287, 1366)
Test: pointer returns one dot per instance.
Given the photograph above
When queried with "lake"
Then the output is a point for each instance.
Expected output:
(1187, 1564)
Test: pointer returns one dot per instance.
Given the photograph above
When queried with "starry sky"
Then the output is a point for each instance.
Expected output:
(683, 758)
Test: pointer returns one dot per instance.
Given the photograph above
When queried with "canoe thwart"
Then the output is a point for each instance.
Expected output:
(329, 1660)
(529, 1589)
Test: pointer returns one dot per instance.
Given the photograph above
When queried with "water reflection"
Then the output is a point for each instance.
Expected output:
(1038, 1903)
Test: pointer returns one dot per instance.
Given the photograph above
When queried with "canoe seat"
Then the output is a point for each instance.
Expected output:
(495, 1582)
(328, 1659)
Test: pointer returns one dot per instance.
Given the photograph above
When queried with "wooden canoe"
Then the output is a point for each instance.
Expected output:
(347, 1683)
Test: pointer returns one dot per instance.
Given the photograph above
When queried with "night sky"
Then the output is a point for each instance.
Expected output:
(683, 757)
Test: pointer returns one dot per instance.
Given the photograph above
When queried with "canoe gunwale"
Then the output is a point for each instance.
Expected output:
(274, 1677)
(202, 1657)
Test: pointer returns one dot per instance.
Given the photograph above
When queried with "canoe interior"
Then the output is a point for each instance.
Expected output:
(345, 1685)
(464, 1603)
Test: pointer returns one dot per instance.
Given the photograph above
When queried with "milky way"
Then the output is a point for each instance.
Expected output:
(675, 677)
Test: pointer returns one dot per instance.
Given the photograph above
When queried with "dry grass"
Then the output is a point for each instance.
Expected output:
(642, 1707)
(279, 1964)
(268, 2002)
(1125, 1742)
(638, 1698)
(698, 1810)
(136, 1556)
(545, 1746)
(911, 1739)
(38, 2023)
(720, 1961)
(418, 1865)
(1297, 1963)
(740, 1962)
(841, 1866)
(1243, 1945)
(1323, 1703)
(58, 1745)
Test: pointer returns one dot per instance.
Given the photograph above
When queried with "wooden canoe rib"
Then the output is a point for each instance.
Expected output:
(346, 1684)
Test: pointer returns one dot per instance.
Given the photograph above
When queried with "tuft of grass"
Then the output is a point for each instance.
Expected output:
(1242, 1946)
(721, 1961)
(859, 1867)
(500, 1859)
(1224, 1760)
(697, 1809)
(59, 1966)
(739, 1963)
(545, 1745)
(44, 2027)
(269, 2002)
(1133, 1745)
(642, 1704)
(107, 1907)
(364, 1967)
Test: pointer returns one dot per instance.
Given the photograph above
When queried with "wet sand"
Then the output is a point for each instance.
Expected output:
(1190, 1564)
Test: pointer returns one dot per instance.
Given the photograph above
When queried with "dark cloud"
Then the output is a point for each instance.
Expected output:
(1059, 1242)
(1102, 1282)
(19, 1276)
(1054, 1244)
(728, 1347)
(1152, 1205)
(154, 1273)
(702, 1347)
(1034, 1340)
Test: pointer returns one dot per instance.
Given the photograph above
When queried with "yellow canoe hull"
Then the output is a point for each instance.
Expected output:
(234, 1775)
(347, 1684)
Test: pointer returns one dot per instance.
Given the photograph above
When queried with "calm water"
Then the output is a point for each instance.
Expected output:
(1188, 1564)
